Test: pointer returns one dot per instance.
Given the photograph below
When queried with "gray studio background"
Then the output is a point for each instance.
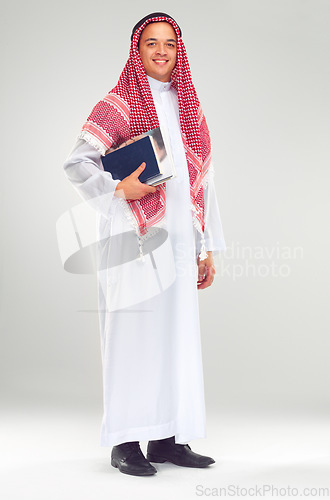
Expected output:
(261, 70)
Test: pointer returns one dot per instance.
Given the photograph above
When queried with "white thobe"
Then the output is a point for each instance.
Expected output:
(153, 384)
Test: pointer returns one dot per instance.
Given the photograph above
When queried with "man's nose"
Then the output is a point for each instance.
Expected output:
(161, 49)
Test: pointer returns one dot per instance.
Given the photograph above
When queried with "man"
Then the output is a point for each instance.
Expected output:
(149, 320)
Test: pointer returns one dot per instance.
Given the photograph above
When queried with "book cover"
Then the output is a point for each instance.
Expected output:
(150, 149)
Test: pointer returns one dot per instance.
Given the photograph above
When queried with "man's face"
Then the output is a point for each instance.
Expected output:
(158, 50)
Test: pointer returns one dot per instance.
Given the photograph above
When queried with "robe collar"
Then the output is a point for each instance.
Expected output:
(157, 85)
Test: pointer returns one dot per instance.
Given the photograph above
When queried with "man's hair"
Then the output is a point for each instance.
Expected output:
(150, 16)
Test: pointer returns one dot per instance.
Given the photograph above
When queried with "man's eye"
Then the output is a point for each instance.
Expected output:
(151, 43)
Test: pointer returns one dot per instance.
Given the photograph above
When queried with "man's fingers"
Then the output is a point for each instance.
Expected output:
(207, 278)
(139, 170)
(201, 272)
(147, 189)
(137, 137)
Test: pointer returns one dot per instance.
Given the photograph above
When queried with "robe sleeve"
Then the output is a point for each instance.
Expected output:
(214, 237)
(84, 169)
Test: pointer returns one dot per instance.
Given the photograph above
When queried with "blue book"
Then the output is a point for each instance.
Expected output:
(151, 149)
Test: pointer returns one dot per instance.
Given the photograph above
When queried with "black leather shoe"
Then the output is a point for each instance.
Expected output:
(166, 450)
(129, 459)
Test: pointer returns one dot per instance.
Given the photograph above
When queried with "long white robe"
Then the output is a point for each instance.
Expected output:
(153, 384)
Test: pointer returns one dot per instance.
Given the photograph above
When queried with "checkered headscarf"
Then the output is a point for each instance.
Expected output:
(128, 110)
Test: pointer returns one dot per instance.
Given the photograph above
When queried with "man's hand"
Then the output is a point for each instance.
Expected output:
(206, 271)
(131, 188)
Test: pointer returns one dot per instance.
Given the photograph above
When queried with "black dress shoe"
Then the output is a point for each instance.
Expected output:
(166, 450)
(129, 459)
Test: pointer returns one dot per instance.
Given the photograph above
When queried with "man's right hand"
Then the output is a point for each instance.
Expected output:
(131, 188)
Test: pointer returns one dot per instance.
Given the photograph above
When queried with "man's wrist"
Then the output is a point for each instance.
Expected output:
(119, 192)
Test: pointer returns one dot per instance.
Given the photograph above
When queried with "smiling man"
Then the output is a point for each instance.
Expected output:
(150, 336)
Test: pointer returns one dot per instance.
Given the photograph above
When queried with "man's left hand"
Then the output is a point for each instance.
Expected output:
(206, 271)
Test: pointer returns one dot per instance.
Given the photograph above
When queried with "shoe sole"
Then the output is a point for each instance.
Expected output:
(142, 473)
(161, 460)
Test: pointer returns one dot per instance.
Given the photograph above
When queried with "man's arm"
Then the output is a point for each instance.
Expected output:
(83, 168)
(214, 238)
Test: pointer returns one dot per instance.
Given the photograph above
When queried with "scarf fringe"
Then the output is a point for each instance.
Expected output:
(86, 136)
(127, 213)
(202, 255)
(208, 177)
(131, 219)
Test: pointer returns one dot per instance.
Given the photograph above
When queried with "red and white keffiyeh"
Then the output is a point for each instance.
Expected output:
(128, 110)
